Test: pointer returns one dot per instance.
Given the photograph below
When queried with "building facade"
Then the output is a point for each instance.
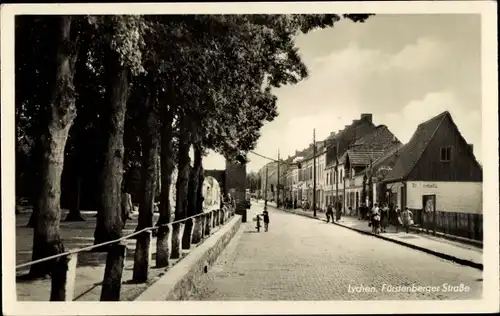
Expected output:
(439, 179)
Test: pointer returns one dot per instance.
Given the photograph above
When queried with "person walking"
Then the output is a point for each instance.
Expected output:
(384, 217)
(375, 219)
(398, 221)
(338, 211)
(329, 213)
(407, 217)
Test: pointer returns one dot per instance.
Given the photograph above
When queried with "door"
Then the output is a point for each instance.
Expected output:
(429, 207)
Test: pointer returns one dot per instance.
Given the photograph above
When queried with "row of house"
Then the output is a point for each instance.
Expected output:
(435, 174)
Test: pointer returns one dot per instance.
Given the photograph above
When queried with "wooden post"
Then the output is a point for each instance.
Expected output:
(207, 224)
(197, 230)
(214, 218)
(189, 232)
(469, 226)
(142, 257)
(112, 282)
(217, 218)
(223, 215)
(63, 278)
(177, 233)
(163, 244)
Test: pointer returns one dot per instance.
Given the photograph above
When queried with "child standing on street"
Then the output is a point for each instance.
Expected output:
(257, 219)
(265, 215)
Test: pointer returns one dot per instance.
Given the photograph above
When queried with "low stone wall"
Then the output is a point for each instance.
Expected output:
(177, 282)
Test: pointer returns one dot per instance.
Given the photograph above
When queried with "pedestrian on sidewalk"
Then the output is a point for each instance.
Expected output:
(375, 219)
(362, 211)
(407, 217)
(338, 211)
(398, 222)
(329, 213)
(384, 217)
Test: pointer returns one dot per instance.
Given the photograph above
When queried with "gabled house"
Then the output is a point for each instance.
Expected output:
(362, 154)
(437, 176)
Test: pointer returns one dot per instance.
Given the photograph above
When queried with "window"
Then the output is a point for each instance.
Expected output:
(445, 154)
(340, 176)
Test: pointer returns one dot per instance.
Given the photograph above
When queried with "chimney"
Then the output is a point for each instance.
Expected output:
(296, 152)
(367, 116)
(471, 146)
(355, 121)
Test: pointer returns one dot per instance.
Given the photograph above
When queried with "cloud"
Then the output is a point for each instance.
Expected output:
(403, 74)
(426, 53)
(404, 123)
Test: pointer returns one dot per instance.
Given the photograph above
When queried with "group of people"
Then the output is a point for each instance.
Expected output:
(329, 212)
(265, 219)
(381, 216)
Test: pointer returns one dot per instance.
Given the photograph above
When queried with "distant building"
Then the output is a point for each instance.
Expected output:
(337, 145)
(365, 151)
(437, 176)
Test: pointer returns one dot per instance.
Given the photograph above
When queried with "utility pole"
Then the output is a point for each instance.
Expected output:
(265, 188)
(337, 176)
(278, 183)
(314, 172)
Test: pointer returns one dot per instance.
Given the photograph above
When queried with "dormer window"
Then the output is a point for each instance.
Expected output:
(445, 154)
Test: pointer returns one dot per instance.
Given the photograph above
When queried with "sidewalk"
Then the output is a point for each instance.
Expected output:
(443, 248)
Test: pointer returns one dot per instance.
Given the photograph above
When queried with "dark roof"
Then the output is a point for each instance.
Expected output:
(362, 157)
(388, 158)
(381, 138)
(413, 150)
(371, 146)
(343, 139)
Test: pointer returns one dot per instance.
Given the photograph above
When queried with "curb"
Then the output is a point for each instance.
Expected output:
(177, 282)
(445, 256)
(470, 242)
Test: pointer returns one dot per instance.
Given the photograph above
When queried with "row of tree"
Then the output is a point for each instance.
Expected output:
(98, 95)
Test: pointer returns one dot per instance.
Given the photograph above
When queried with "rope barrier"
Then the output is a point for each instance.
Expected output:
(27, 264)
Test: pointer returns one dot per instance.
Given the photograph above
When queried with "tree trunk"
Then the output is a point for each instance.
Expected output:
(149, 175)
(191, 229)
(195, 196)
(182, 180)
(46, 238)
(35, 159)
(150, 148)
(74, 214)
(167, 167)
(198, 155)
(109, 222)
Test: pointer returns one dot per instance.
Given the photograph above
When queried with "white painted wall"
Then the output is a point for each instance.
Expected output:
(462, 197)
(358, 180)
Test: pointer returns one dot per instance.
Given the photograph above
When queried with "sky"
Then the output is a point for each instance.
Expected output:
(404, 69)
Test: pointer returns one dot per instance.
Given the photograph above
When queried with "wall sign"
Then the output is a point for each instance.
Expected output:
(430, 186)
(425, 185)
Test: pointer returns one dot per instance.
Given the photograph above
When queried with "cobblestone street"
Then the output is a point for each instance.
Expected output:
(306, 259)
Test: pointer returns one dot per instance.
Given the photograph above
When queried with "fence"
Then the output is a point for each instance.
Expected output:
(466, 225)
(63, 267)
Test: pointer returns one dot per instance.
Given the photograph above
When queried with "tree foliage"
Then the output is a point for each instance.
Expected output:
(212, 77)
